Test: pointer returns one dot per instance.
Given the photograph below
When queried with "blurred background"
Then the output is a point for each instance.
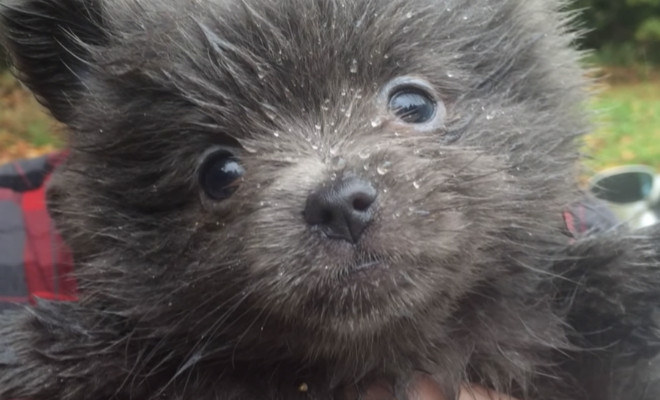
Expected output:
(624, 36)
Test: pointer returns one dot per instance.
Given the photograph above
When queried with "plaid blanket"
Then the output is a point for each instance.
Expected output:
(34, 261)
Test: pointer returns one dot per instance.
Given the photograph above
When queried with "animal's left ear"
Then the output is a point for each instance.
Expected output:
(49, 44)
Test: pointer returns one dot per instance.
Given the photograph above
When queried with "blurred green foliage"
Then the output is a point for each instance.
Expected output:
(623, 32)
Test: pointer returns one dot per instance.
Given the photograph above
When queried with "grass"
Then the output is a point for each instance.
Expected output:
(629, 130)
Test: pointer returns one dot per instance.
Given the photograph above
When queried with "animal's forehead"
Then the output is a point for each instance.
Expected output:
(332, 31)
(241, 60)
(308, 48)
(316, 38)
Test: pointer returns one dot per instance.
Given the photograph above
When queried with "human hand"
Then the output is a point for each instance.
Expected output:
(427, 389)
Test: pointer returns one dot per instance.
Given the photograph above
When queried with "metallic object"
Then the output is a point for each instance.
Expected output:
(632, 192)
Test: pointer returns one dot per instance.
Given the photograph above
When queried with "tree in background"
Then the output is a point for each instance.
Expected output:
(624, 32)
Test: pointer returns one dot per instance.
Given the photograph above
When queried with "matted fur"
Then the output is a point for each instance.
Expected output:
(183, 297)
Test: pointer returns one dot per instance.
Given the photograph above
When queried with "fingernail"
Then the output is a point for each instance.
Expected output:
(425, 388)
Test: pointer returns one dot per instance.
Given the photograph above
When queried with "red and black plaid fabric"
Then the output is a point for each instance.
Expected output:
(34, 261)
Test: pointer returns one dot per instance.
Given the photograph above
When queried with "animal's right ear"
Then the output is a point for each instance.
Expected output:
(49, 44)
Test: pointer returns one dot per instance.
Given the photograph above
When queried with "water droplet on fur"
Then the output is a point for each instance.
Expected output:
(366, 167)
(247, 147)
(276, 134)
(465, 18)
(490, 116)
(354, 66)
(376, 122)
(409, 14)
(315, 147)
(406, 29)
(343, 92)
(450, 75)
(384, 168)
(348, 114)
(364, 154)
(386, 56)
(271, 115)
(416, 185)
(326, 106)
(337, 163)
(317, 127)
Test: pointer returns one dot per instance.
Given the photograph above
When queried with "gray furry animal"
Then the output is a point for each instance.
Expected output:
(262, 194)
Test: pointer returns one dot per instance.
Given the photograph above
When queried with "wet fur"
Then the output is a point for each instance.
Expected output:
(182, 297)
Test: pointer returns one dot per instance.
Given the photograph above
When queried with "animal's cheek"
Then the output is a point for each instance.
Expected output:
(429, 227)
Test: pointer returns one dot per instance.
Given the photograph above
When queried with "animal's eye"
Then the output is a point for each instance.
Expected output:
(412, 105)
(219, 175)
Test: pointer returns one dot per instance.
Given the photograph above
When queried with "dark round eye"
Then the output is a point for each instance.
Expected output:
(412, 105)
(219, 175)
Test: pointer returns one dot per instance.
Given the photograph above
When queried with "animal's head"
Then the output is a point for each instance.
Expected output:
(328, 164)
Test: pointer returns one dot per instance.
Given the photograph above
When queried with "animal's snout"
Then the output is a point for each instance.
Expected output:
(342, 210)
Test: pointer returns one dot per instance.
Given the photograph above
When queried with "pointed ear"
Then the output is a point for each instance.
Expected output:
(49, 43)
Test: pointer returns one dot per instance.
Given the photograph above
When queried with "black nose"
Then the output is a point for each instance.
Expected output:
(342, 210)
